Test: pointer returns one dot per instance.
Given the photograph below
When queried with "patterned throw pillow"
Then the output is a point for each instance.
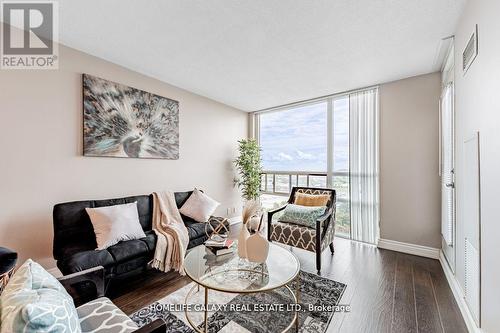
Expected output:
(34, 301)
(302, 215)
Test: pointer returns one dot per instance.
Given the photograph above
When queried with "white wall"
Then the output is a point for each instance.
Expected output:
(410, 196)
(478, 109)
(41, 161)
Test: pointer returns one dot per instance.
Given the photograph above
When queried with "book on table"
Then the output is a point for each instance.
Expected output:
(217, 241)
(220, 248)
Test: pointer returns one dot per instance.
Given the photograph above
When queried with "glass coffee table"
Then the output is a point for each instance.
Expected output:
(230, 274)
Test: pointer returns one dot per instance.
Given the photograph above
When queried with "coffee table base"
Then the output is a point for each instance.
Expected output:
(295, 296)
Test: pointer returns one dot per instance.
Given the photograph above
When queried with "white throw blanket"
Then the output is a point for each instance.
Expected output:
(173, 239)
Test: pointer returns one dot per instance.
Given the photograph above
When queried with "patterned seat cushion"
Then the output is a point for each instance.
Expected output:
(102, 316)
(294, 235)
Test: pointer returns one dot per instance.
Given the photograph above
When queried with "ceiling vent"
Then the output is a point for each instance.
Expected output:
(470, 52)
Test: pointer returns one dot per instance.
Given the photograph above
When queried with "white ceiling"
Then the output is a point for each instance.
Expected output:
(256, 54)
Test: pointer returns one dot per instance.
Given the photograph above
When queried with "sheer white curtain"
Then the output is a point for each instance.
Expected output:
(364, 165)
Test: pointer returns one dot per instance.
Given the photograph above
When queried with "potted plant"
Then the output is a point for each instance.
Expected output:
(249, 168)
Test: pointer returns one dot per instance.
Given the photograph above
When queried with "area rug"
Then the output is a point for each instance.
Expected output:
(235, 313)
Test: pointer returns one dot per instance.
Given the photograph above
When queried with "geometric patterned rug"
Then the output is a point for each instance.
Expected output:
(265, 312)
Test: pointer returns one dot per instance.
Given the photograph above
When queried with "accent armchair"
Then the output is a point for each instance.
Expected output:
(311, 239)
(100, 315)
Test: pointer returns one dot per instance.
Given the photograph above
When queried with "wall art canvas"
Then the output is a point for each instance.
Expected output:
(120, 121)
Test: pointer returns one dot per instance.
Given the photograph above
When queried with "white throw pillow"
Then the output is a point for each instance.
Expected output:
(113, 224)
(199, 206)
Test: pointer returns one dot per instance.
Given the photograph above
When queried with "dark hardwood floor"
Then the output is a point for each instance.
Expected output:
(387, 291)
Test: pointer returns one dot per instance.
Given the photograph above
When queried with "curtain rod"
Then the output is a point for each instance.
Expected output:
(308, 101)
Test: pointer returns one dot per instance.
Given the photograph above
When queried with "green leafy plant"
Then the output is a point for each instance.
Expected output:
(249, 168)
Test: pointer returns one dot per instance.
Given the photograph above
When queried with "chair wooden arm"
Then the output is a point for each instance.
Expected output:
(323, 224)
(156, 326)
(270, 219)
(274, 211)
(325, 217)
(94, 275)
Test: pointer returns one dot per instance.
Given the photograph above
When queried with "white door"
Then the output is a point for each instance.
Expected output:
(447, 166)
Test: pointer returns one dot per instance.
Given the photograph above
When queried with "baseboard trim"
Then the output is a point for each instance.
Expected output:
(417, 250)
(458, 294)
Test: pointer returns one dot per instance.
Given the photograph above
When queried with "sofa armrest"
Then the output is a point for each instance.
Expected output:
(155, 326)
(94, 275)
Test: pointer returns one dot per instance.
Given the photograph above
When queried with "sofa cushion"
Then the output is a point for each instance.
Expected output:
(131, 267)
(197, 241)
(150, 240)
(128, 250)
(195, 229)
(34, 301)
(84, 260)
(102, 316)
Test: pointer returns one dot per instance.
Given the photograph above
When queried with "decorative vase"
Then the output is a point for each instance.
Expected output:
(242, 241)
(257, 248)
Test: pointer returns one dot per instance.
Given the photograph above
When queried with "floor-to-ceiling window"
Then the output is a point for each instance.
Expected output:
(330, 142)
(307, 145)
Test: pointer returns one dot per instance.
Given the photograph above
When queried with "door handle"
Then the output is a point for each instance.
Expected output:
(452, 185)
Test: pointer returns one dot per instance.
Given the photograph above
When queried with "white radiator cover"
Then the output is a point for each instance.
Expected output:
(471, 213)
(472, 279)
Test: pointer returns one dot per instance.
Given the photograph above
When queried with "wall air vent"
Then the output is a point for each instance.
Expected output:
(470, 52)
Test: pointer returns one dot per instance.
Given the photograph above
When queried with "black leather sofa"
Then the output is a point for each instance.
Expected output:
(74, 245)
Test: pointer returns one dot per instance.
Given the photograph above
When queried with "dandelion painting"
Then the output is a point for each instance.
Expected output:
(120, 121)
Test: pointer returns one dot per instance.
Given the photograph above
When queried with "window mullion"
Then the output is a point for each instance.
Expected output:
(329, 143)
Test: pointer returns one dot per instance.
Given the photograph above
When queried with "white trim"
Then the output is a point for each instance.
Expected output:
(55, 271)
(418, 250)
(459, 295)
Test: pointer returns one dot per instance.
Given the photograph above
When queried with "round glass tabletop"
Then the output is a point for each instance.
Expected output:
(229, 273)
